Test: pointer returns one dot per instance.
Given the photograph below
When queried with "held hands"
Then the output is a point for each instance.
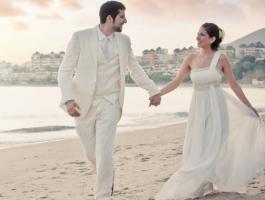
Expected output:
(155, 100)
(72, 108)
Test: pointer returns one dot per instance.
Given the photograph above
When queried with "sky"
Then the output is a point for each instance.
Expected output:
(27, 26)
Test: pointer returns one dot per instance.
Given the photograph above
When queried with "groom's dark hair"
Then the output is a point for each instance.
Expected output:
(111, 8)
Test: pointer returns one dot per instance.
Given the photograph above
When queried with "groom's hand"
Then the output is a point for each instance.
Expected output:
(72, 108)
(155, 100)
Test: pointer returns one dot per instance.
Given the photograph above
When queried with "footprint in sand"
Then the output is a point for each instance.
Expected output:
(82, 168)
(41, 170)
(89, 173)
(78, 162)
(162, 180)
(139, 155)
(145, 159)
(116, 151)
(118, 192)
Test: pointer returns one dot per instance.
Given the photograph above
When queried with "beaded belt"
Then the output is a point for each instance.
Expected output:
(206, 86)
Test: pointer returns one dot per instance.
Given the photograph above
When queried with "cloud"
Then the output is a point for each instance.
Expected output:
(19, 25)
(71, 4)
(8, 9)
(41, 3)
(52, 16)
(254, 7)
(186, 10)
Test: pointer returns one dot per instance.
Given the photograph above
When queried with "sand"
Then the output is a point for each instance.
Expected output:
(144, 159)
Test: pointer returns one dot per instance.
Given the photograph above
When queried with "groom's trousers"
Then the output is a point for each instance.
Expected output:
(97, 132)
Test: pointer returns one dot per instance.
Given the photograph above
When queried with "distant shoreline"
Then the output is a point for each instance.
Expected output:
(133, 85)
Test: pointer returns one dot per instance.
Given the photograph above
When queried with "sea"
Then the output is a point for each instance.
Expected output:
(31, 115)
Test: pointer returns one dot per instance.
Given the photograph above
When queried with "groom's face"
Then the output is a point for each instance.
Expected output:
(119, 21)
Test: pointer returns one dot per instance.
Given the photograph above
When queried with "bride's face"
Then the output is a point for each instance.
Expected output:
(203, 39)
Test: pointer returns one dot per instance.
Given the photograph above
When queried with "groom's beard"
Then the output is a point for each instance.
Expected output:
(117, 29)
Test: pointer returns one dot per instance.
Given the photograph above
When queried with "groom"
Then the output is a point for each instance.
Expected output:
(92, 81)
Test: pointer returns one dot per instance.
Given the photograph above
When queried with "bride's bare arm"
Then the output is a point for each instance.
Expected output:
(184, 71)
(227, 69)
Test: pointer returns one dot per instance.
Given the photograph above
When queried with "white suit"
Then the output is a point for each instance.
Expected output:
(96, 126)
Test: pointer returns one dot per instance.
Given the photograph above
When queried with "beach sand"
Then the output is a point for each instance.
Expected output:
(144, 159)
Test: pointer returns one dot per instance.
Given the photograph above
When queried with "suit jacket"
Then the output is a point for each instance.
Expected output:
(78, 71)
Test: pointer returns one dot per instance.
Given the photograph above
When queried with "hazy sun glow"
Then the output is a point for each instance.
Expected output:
(46, 25)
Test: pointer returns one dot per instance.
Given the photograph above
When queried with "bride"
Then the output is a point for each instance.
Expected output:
(224, 146)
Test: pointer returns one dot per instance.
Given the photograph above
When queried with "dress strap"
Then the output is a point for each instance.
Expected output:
(215, 59)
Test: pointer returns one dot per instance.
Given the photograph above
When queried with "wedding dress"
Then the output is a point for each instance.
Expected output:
(224, 146)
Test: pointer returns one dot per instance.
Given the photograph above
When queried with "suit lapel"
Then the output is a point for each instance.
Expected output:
(120, 49)
(95, 45)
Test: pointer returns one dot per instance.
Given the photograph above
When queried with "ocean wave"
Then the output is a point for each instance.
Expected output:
(39, 129)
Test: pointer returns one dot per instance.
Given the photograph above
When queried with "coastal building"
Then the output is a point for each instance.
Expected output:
(149, 57)
(253, 49)
(180, 54)
(5, 70)
(40, 61)
(229, 51)
(162, 55)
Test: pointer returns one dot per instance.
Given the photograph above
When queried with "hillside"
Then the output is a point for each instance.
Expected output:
(253, 37)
